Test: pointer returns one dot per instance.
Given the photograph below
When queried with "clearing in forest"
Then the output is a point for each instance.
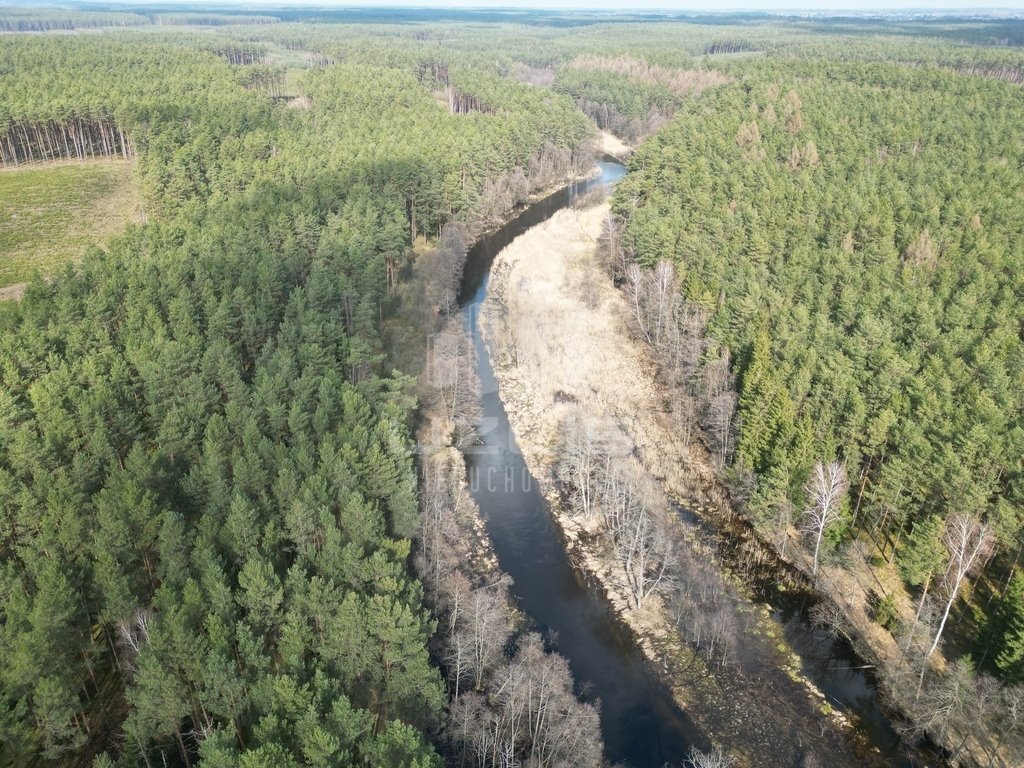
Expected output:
(51, 213)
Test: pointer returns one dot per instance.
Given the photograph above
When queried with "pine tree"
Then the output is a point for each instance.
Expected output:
(1010, 617)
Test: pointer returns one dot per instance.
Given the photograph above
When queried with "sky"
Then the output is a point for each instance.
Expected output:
(698, 5)
(681, 5)
(704, 6)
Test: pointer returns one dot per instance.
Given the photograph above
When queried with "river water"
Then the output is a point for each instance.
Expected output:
(641, 724)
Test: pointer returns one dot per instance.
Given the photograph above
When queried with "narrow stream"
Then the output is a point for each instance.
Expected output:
(641, 724)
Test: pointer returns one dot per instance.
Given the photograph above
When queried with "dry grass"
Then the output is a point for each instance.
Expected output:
(614, 146)
(560, 343)
(16, 291)
(553, 348)
(51, 213)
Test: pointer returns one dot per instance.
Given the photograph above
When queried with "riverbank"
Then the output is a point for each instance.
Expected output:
(558, 345)
(613, 146)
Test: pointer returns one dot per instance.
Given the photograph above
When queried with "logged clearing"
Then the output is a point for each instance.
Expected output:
(50, 214)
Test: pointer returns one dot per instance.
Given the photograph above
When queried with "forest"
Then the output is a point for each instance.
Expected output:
(208, 488)
(219, 542)
(854, 242)
(826, 257)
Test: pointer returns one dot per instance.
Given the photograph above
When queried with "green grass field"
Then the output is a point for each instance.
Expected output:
(50, 214)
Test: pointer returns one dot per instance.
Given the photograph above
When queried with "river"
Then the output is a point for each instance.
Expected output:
(641, 724)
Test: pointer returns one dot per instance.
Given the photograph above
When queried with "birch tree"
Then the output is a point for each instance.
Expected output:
(581, 459)
(653, 297)
(591, 447)
(825, 489)
(719, 402)
(970, 544)
(716, 758)
(488, 628)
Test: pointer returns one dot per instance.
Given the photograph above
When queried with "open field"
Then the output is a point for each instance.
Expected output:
(51, 213)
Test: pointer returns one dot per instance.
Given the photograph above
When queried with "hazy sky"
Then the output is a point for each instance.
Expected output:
(707, 5)
(629, 5)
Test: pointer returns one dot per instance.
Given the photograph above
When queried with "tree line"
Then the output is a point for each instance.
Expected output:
(44, 20)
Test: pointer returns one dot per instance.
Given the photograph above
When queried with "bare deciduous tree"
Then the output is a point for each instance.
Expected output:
(453, 382)
(438, 529)
(716, 758)
(539, 76)
(687, 345)
(825, 490)
(946, 701)
(679, 81)
(643, 551)
(914, 645)
(675, 328)
(701, 604)
(1011, 717)
(665, 290)
(612, 255)
(719, 401)
(653, 297)
(970, 544)
(634, 289)
(488, 627)
(581, 458)
(454, 598)
(620, 491)
(829, 615)
(457, 659)
(627, 500)
(530, 718)
(589, 449)
(440, 271)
